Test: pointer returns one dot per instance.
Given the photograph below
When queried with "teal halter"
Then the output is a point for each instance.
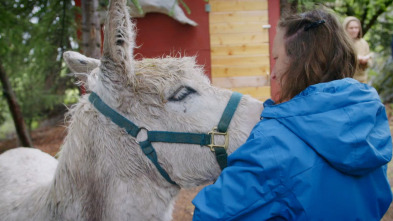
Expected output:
(174, 137)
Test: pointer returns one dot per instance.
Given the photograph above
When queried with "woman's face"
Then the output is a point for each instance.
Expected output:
(281, 64)
(353, 29)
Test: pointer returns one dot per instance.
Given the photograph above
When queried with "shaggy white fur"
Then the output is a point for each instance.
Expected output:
(101, 173)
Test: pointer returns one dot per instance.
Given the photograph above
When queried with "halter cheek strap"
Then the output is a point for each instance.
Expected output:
(174, 137)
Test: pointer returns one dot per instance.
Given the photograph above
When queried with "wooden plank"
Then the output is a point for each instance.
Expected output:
(260, 93)
(241, 38)
(236, 27)
(240, 70)
(239, 16)
(243, 49)
(240, 60)
(238, 5)
(240, 46)
(235, 82)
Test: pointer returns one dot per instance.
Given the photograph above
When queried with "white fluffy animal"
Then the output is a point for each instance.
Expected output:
(101, 172)
(169, 7)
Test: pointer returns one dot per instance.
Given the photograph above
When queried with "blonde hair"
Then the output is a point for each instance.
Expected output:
(348, 20)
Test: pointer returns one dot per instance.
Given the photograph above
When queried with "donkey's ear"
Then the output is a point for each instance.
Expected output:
(79, 63)
(119, 40)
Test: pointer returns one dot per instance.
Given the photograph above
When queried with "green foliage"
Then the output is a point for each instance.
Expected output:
(3, 109)
(71, 96)
(188, 10)
(33, 36)
(379, 38)
(365, 10)
(383, 81)
(177, 2)
(7, 126)
(308, 4)
(381, 34)
(138, 6)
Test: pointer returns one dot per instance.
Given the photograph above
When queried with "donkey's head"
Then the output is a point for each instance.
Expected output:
(163, 94)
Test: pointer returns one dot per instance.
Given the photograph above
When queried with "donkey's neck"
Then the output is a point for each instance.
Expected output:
(107, 181)
(107, 197)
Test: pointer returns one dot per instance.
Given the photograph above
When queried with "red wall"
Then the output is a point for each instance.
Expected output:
(159, 34)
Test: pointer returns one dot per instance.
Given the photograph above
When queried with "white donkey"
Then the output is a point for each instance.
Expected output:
(115, 164)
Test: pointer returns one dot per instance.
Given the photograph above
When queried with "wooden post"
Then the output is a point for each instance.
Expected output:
(274, 16)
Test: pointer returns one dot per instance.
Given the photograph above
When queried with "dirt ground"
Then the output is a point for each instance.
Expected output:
(49, 139)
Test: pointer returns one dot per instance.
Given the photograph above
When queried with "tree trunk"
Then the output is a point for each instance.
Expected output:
(91, 29)
(23, 134)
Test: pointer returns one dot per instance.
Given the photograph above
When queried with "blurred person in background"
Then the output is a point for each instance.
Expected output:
(353, 28)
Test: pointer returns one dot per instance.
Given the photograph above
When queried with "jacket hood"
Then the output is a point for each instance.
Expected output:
(344, 121)
(352, 18)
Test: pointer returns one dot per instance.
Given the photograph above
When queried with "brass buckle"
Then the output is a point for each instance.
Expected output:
(214, 132)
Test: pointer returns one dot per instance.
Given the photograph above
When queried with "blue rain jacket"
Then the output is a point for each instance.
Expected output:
(320, 156)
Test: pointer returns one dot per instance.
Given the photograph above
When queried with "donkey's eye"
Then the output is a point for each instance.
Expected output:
(181, 93)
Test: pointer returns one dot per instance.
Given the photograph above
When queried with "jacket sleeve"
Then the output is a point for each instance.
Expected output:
(245, 188)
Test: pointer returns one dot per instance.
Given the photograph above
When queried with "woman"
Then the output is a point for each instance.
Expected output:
(321, 148)
(353, 27)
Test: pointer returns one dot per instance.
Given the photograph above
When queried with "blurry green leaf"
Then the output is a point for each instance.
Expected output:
(185, 6)
(138, 6)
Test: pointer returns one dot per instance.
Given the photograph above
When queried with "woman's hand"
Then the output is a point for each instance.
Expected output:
(363, 59)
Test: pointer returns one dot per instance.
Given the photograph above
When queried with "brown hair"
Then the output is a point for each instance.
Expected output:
(318, 50)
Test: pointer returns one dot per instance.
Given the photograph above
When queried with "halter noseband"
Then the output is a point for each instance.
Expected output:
(174, 137)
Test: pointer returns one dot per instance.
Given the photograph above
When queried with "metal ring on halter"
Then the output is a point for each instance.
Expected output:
(139, 133)
(213, 145)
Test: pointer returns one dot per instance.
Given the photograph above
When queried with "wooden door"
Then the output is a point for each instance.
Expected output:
(239, 42)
